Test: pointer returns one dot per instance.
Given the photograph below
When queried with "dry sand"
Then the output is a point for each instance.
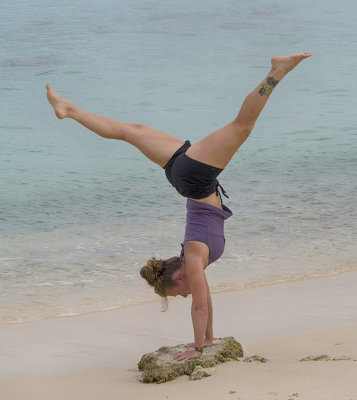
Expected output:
(94, 356)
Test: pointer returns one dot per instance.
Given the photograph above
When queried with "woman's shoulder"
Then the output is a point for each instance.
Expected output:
(195, 251)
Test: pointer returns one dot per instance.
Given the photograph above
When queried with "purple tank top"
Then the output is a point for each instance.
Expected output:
(205, 223)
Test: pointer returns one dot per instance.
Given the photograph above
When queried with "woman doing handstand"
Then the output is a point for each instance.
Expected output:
(193, 171)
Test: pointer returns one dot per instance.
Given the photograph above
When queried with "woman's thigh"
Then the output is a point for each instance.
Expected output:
(218, 148)
(156, 145)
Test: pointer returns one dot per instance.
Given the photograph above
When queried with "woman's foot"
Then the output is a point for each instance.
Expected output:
(61, 105)
(282, 65)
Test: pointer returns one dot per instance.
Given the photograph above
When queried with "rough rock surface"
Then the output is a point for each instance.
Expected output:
(159, 366)
(199, 373)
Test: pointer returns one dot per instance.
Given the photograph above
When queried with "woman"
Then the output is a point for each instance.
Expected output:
(193, 171)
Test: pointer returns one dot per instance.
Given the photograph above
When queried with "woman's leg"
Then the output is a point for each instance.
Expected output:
(218, 148)
(154, 144)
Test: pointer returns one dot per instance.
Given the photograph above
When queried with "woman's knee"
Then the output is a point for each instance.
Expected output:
(131, 130)
(243, 128)
(136, 126)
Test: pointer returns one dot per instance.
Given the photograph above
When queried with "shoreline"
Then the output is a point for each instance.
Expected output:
(220, 289)
(259, 313)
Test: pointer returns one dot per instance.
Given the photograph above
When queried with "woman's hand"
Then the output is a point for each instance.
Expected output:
(206, 343)
(187, 355)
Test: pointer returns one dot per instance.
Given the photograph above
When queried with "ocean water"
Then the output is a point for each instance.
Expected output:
(79, 215)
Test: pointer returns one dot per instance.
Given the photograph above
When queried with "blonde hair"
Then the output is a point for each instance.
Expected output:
(158, 273)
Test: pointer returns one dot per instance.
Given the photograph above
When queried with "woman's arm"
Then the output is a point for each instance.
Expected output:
(196, 254)
(209, 328)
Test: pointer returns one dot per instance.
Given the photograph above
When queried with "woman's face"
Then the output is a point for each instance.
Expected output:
(182, 288)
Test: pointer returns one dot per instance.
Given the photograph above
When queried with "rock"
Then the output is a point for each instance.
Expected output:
(199, 373)
(324, 357)
(159, 366)
(255, 359)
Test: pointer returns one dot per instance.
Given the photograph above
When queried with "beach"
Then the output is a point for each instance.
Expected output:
(95, 355)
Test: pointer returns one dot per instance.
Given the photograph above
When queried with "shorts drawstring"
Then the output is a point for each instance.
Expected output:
(223, 192)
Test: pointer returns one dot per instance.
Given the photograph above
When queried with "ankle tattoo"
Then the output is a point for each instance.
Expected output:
(268, 87)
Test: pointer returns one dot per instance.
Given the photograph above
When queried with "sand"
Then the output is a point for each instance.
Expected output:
(95, 356)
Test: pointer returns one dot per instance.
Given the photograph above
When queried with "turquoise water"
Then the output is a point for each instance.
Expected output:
(79, 215)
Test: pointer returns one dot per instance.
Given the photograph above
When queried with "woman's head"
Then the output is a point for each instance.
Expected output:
(166, 276)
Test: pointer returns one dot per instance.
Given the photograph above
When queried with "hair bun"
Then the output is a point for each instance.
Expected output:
(158, 273)
(152, 271)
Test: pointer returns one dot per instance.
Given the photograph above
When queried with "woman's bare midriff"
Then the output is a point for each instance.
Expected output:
(213, 199)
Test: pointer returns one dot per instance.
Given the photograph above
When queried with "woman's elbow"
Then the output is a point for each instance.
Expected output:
(199, 307)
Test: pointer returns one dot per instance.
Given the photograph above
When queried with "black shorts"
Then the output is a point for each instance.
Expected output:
(191, 178)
